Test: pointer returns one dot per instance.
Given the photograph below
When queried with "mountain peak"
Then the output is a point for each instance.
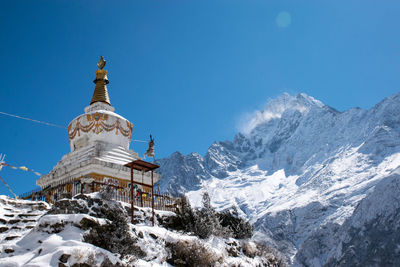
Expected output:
(286, 101)
(277, 106)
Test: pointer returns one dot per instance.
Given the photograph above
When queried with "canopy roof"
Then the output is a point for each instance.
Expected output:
(141, 165)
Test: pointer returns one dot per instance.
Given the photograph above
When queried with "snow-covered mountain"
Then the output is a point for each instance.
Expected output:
(298, 171)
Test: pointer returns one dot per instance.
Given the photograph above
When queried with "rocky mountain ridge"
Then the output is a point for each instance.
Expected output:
(299, 166)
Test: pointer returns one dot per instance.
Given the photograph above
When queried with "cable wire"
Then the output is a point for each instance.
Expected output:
(29, 119)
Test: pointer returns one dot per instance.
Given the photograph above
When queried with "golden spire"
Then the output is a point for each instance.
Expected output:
(100, 93)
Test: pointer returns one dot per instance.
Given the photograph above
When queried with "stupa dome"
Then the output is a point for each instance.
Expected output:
(99, 123)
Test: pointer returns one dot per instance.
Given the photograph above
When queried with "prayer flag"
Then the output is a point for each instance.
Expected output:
(23, 168)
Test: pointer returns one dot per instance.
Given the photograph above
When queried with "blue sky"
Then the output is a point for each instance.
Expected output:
(184, 71)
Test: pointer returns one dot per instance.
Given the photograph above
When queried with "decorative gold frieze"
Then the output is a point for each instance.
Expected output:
(97, 123)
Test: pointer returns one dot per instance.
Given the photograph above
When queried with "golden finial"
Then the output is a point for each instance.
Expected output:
(100, 93)
(102, 63)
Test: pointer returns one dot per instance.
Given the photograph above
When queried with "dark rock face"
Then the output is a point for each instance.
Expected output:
(72, 206)
(64, 258)
(11, 237)
(84, 204)
(184, 173)
(370, 237)
(8, 250)
(375, 245)
(54, 228)
(221, 157)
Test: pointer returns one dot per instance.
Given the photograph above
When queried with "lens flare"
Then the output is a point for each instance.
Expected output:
(283, 19)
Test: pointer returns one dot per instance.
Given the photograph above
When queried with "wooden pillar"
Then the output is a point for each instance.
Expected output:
(152, 196)
(132, 208)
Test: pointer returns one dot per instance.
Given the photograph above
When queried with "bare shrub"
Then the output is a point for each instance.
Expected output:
(87, 258)
(107, 192)
(269, 255)
(191, 253)
(249, 249)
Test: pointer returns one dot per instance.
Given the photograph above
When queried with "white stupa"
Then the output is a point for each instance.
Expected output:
(99, 141)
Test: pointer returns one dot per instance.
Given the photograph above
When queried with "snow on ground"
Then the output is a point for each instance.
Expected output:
(38, 244)
(59, 238)
(39, 248)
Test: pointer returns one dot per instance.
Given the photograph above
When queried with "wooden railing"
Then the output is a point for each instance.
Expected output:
(35, 194)
(142, 199)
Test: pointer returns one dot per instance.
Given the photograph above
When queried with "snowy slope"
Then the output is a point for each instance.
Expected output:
(297, 166)
(90, 231)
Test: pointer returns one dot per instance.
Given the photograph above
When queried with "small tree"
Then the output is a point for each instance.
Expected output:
(115, 235)
(187, 215)
(240, 228)
(206, 201)
(206, 221)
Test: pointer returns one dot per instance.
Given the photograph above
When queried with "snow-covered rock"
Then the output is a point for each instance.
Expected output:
(299, 166)
(17, 218)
